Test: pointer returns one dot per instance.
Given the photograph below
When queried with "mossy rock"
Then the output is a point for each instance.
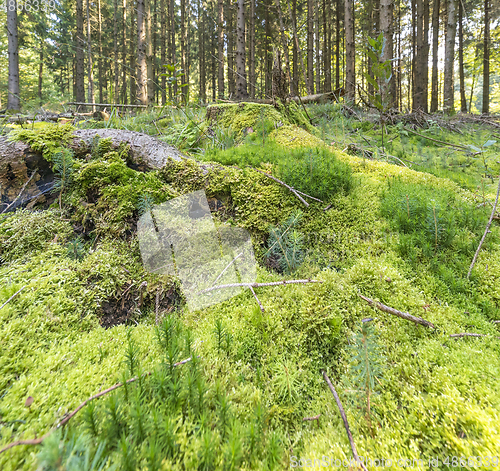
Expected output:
(293, 136)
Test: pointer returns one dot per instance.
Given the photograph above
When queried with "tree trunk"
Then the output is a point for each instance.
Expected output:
(337, 46)
(80, 44)
(316, 47)
(184, 77)
(220, 48)
(241, 79)
(173, 58)
(99, 48)
(350, 82)
(13, 98)
(425, 59)
(299, 51)
(435, 44)
(386, 19)
(269, 57)
(91, 98)
(230, 49)
(116, 93)
(327, 52)
(150, 88)
(463, 99)
(283, 41)
(251, 50)
(40, 73)
(201, 48)
(133, 64)
(142, 69)
(310, 45)
(449, 56)
(418, 103)
(295, 55)
(163, 49)
(486, 59)
(124, 94)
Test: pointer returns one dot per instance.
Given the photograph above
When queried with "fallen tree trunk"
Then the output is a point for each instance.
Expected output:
(18, 163)
(316, 98)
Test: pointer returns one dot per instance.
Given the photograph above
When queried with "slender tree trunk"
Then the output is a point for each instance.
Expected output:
(337, 46)
(399, 100)
(213, 68)
(251, 50)
(40, 72)
(449, 56)
(91, 98)
(142, 70)
(310, 44)
(316, 47)
(269, 57)
(327, 51)
(414, 52)
(299, 51)
(183, 50)
(13, 98)
(418, 102)
(463, 99)
(386, 19)
(116, 93)
(220, 47)
(201, 48)
(425, 59)
(163, 49)
(486, 59)
(283, 41)
(123, 88)
(350, 82)
(154, 41)
(435, 44)
(99, 48)
(241, 78)
(295, 56)
(150, 88)
(230, 50)
(80, 44)
(133, 63)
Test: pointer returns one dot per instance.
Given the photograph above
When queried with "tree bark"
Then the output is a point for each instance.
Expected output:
(327, 51)
(283, 41)
(425, 59)
(201, 49)
(220, 48)
(435, 44)
(173, 58)
(13, 98)
(163, 49)
(150, 88)
(80, 44)
(133, 64)
(142, 73)
(449, 56)
(418, 97)
(124, 95)
(463, 99)
(299, 51)
(269, 57)
(184, 77)
(337, 46)
(486, 59)
(116, 93)
(350, 82)
(386, 20)
(241, 78)
(310, 45)
(91, 98)
(295, 54)
(251, 50)
(99, 48)
(40, 72)
(316, 47)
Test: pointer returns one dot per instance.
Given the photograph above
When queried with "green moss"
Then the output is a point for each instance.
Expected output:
(293, 136)
(47, 140)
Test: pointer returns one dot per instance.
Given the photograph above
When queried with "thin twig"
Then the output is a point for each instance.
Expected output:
(12, 297)
(38, 441)
(493, 211)
(467, 334)
(293, 190)
(316, 417)
(309, 196)
(224, 271)
(344, 418)
(496, 322)
(395, 312)
(257, 299)
(258, 285)
(20, 193)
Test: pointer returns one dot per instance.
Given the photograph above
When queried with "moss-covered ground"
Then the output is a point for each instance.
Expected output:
(86, 318)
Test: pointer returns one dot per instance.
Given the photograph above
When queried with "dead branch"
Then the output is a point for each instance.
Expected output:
(493, 211)
(259, 285)
(12, 297)
(316, 417)
(455, 146)
(38, 441)
(496, 322)
(466, 334)
(225, 269)
(395, 312)
(344, 418)
(20, 193)
(256, 298)
(293, 190)
(107, 105)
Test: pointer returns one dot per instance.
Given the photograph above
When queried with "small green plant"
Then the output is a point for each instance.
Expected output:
(75, 249)
(286, 245)
(223, 337)
(482, 152)
(63, 171)
(366, 364)
(382, 73)
(145, 204)
(173, 74)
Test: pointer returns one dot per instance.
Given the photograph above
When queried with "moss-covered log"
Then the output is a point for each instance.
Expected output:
(30, 154)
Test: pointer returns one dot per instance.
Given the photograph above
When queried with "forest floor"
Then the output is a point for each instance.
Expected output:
(400, 218)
